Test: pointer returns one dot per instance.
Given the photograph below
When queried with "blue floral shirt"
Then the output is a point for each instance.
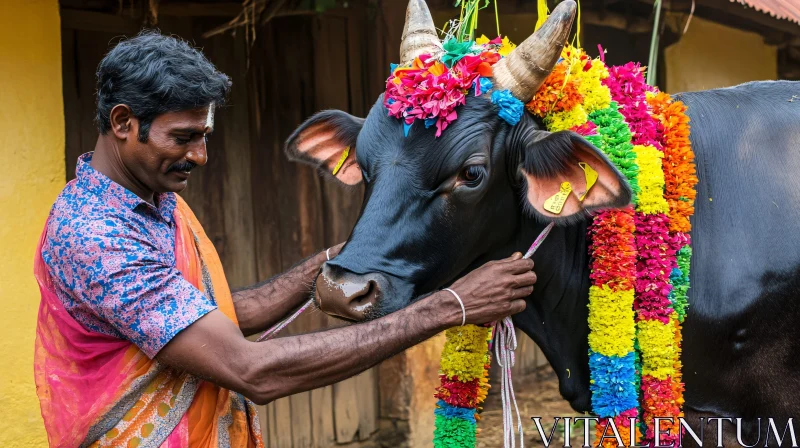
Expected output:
(111, 256)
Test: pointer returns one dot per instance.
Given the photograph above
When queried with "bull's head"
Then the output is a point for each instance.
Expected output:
(435, 207)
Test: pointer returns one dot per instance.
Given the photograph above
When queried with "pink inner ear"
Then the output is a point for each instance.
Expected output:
(604, 192)
(350, 173)
(321, 143)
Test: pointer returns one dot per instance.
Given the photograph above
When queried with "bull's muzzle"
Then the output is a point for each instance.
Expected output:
(347, 295)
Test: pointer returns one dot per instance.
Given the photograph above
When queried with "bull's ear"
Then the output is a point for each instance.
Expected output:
(327, 141)
(559, 168)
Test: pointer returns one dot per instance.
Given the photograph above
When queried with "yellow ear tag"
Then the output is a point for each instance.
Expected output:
(591, 178)
(556, 202)
(345, 153)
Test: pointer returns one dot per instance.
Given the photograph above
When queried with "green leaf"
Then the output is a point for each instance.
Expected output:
(454, 51)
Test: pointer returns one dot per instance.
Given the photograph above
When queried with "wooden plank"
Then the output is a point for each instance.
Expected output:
(238, 257)
(271, 438)
(299, 198)
(219, 9)
(99, 22)
(264, 417)
(367, 399)
(396, 388)
(335, 65)
(392, 17)
(204, 192)
(72, 103)
(90, 49)
(197, 9)
(264, 82)
(293, 63)
(360, 98)
(345, 410)
(322, 427)
(266, 175)
(283, 423)
(301, 425)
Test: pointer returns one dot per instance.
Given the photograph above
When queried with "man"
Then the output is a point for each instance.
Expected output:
(139, 341)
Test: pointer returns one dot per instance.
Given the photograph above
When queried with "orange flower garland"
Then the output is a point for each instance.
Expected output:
(559, 93)
(679, 169)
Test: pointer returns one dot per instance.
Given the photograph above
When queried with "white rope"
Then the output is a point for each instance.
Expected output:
(504, 351)
(506, 343)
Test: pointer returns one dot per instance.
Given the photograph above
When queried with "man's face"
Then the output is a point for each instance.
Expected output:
(176, 144)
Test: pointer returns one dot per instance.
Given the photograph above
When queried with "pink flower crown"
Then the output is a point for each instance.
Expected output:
(430, 89)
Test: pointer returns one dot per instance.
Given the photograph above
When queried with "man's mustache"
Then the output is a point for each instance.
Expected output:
(184, 166)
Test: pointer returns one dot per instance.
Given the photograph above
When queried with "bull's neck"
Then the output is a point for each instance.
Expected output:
(561, 262)
(563, 243)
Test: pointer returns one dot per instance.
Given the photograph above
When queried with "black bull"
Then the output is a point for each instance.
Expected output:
(417, 234)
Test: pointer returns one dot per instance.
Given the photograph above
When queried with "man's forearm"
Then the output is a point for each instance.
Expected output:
(262, 305)
(299, 363)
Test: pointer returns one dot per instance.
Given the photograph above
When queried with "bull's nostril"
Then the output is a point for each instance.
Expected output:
(346, 295)
(365, 300)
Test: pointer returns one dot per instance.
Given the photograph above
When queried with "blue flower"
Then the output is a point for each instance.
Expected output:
(482, 86)
(430, 122)
(446, 410)
(614, 387)
(511, 109)
(486, 84)
(392, 67)
(406, 128)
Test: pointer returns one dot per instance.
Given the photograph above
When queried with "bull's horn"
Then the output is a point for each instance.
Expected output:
(419, 33)
(526, 68)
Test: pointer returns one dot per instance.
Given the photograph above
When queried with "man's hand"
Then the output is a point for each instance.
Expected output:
(495, 290)
(260, 306)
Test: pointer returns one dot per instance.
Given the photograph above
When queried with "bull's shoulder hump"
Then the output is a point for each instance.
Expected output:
(765, 90)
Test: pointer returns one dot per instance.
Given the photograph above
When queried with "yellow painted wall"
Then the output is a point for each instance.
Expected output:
(711, 55)
(31, 176)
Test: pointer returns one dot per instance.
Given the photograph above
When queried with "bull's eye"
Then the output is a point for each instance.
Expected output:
(472, 175)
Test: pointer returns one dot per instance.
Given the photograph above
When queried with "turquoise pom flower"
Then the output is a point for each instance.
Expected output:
(511, 109)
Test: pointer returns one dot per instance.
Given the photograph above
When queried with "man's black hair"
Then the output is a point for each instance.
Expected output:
(154, 74)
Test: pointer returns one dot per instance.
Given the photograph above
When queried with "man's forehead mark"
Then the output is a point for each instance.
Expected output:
(210, 118)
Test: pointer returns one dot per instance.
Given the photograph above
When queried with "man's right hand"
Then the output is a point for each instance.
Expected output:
(494, 290)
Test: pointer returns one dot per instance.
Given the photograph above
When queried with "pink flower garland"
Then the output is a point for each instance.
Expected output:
(428, 90)
(656, 259)
(628, 87)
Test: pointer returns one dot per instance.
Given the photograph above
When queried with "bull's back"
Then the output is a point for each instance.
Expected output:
(741, 336)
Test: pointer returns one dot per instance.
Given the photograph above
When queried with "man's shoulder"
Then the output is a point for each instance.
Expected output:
(80, 216)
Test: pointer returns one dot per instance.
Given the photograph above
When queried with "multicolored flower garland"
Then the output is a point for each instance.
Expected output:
(587, 108)
(640, 255)
(464, 385)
